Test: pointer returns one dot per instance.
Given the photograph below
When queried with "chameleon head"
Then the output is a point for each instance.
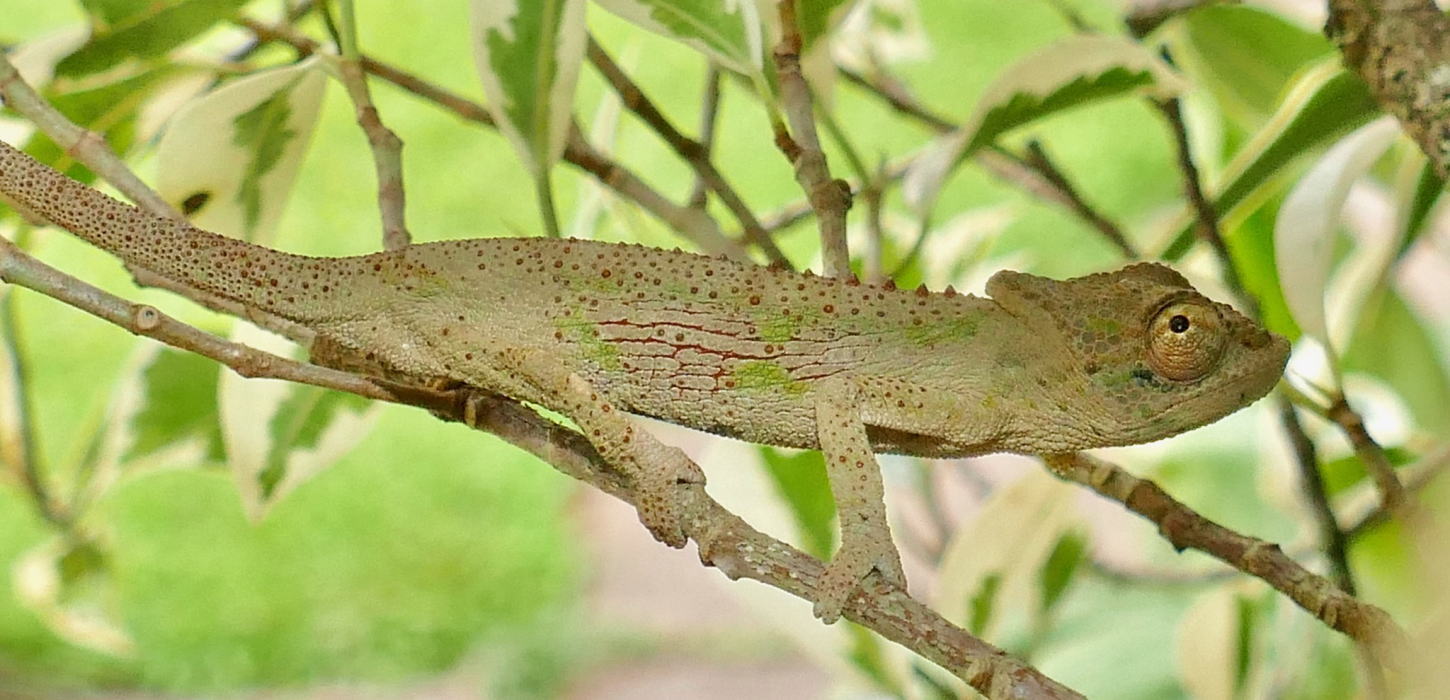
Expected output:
(1151, 355)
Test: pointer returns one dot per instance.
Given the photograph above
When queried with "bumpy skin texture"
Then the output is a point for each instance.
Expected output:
(765, 355)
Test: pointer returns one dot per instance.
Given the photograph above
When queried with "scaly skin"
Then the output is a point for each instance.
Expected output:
(765, 355)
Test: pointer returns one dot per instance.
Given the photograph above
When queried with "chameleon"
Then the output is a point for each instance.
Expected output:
(597, 330)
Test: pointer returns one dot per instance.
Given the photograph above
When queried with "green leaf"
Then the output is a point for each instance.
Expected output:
(108, 13)
(67, 585)
(1065, 74)
(299, 424)
(263, 130)
(528, 54)
(727, 31)
(1322, 105)
(1251, 245)
(1061, 564)
(801, 479)
(230, 157)
(177, 404)
(278, 434)
(982, 604)
(1428, 188)
(816, 18)
(1247, 56)
(1343, 473)
(146, 35)
(1415, 369)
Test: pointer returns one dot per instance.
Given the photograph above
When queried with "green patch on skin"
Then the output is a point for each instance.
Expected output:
(581, 332)
(778, 328)
(962, 327)
(1113, 380)
(989, 401)
(1104, 326)
(764, 374)
(421, 281)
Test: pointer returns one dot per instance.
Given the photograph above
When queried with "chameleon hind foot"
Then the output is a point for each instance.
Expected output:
(863, 549)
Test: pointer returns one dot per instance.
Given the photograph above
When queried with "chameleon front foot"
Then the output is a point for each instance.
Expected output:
(863, 549)
(664, 477)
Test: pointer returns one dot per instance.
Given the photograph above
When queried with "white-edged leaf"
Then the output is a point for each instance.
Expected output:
(1067, 73)
(1308, 221)
(67, 586)
(728, 31)
(886, 31)
(993, 564)
(1321, 104)
(593, 196)
(279, 434)
(229, 157)
(528, 54)
(36, 59)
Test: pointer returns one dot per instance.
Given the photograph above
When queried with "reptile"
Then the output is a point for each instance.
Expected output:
(596, 331)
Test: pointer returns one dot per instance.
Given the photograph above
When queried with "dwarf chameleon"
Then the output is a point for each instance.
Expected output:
(594, 330)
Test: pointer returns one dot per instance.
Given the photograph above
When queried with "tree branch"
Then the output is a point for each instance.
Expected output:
(386, 147)
(829, 197)
(1185, 528)
(1034, 174)
(696, 225)
(1332, 538)
(691, 151)
(1399, 48)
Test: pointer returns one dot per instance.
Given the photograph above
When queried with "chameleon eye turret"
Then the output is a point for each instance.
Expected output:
(1186, 340)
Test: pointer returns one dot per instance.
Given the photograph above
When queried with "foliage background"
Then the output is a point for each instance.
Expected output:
(427, 545)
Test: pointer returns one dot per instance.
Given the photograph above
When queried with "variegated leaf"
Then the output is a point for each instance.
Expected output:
(727, 31)
(1306, 228)
(1070, 72)
(279, 434)
(229, 157)
(528, 54)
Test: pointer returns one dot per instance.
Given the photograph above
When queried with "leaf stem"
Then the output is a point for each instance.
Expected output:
(545, 191)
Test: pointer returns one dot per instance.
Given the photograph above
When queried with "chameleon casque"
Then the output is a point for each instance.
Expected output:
(766, 355)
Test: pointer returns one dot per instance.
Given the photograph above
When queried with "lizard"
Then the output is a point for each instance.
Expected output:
(598, 330)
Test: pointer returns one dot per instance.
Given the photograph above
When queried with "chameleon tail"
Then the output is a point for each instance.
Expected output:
(276, 282)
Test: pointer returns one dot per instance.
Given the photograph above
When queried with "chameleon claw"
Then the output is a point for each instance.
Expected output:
(857, 558)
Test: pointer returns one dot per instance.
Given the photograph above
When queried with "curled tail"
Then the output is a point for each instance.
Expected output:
(280, 283)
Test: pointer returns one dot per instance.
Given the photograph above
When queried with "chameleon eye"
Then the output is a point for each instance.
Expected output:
(1186, 340)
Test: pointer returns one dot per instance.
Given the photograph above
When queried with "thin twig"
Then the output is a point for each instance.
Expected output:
(709, 111)
(1037, 159)
(1207, 215)
(1184, 528)
(1421, 474)
(84, 145)
(1332, 538)
(1144, 16)
(1037, 176)
(694, 224)
(26, 450)
(725, 541)
(829, 198)
(1371, 453)
(693, 152)
(386, 147)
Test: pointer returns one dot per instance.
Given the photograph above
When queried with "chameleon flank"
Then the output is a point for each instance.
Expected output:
(766, 355)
